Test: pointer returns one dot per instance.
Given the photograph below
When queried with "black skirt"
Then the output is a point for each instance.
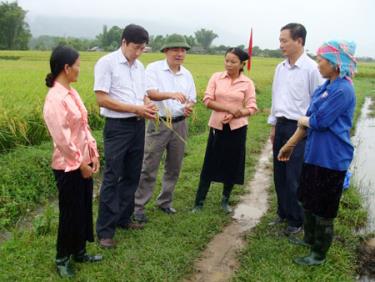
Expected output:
(75, 217)
(224, 160)
(320, 190)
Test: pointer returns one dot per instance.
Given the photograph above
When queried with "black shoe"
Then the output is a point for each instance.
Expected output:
(168, 210)
(132, 226)
(87, 258)
(107, 243)
(140, 218)
(278, 220)
(63, 267)
(292, 230)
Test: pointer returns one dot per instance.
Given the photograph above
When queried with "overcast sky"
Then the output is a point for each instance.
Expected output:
(230, 19)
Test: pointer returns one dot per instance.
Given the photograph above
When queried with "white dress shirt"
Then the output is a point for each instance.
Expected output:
(292, 89)
(122, 81)
(161, 78)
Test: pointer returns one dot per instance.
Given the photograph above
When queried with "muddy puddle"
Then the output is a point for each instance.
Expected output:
(364, 162)
(364, 179)
(219, 261)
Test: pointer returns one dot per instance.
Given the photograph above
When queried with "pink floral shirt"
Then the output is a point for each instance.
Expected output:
(66, 119)
(240, 93)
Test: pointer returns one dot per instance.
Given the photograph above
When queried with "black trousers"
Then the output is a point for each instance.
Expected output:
(123, 151)
(75, 217)
(287, 174)
(320, 190)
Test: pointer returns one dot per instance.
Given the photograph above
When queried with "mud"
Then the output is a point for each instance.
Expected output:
(219, 261)
(366, 253)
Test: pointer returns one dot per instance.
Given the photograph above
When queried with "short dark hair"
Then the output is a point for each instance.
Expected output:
(296, 31)
(135, 33)
(241, 54)
(61, 56)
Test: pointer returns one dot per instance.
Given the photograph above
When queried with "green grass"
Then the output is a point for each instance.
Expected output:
(164, 251)
(167, 248)
(372, 108)
(269, 255)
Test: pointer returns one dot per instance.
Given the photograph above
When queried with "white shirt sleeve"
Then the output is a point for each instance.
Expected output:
(151, 78)
(102, 76)
(192, 94)
(271, 118)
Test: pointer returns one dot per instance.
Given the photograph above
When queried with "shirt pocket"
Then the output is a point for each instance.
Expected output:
(119, 81)
(298, 87)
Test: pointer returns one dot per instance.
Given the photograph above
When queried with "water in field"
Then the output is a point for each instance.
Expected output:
(364, 178)
(364, 162)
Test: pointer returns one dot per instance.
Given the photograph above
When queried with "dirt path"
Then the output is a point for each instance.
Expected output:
(219, 261)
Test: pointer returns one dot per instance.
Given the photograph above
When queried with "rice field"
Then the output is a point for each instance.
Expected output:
(22, 90)
(173, 243)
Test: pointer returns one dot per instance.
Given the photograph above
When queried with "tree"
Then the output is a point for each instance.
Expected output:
(205, 37)
(14, 31)
(156, 42)
(190, 40)
(256, 51)
(110, 39)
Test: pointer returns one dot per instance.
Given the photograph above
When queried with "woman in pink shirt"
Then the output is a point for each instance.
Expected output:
(231, 97)
(74, 159)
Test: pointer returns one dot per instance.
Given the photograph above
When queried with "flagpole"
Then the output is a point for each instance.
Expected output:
(250, 50)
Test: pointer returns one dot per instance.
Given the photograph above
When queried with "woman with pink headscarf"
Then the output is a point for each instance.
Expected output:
(328, 151)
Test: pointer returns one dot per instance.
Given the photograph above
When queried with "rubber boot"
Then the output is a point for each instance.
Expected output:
(309, 222)
(225, 199)
(64, 268)
(322, 243)
(200, 197)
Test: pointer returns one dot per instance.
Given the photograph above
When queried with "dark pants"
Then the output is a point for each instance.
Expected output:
(123, 151)
(75, 212)
(204, 187)
(287, 174)
(320, 190)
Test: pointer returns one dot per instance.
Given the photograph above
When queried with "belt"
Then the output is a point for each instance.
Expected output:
(174, 119)
(284, 119)
(130, 119)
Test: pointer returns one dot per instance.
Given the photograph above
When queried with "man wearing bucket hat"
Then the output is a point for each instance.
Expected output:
(328, 151)
(172, 88)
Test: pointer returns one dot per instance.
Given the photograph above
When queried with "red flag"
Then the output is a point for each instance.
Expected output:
(250, 50)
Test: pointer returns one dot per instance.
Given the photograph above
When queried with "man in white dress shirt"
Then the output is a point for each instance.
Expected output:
(294, 82)
(172, 88)
(120, 92)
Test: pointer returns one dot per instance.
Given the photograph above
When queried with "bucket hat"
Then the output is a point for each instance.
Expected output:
(175, 41)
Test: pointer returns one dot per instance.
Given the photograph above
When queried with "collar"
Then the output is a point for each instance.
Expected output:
(241, 78)
(123, 60)
(329, 84)
(165, 67)
(300, 61)
(62, 89)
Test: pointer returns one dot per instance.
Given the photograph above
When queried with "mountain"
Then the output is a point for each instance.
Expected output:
(90, 27)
